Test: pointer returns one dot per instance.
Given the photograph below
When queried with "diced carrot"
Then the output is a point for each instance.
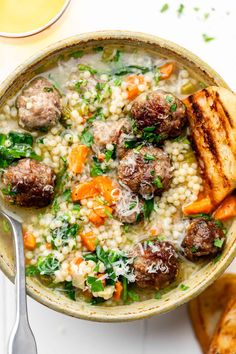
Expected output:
(105, 186)
(102, 210)
(133, 81)
(103, 280)
(118, 291)
(84, 190)
(154, 232)
(77, 158)
(29, 241)
(166, 70)
(89, 241)
(203, 205)
(48, 246)
(78, 260)
(101, 157)
(95, 219)
(227, 209)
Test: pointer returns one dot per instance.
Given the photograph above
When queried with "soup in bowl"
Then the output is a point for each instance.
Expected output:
(99, 158)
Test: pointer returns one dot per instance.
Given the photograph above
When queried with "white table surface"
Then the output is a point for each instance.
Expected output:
(170, 333)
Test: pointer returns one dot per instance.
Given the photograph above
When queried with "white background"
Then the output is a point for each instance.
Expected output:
(170, 333)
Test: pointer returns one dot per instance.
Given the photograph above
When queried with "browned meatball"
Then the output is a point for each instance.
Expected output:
(160, 109)
(155, 264)
(129, 208)
(203, 239)
(39, 106)
(109, 132)
(31, 183)
(146, 171)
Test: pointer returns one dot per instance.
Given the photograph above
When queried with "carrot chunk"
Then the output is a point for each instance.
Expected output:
(95, 219)
(118, 291)
(29, 241)
(105, 186)
(84, 190)
(133, 81)
(227, 209)
(203, 205)
(77, 158)
(89, 241)
(166, 70)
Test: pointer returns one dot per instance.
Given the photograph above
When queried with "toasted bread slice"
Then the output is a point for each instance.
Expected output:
(206, 310)
(224, 340)
(212, 117)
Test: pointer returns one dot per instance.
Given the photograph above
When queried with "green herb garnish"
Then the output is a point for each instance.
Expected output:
(86, 138)
(83, 67)
(77, 54)
(157, 182)
(218, 242)
(164, 8)
(184, 287)
(207, 38)
(149, 157)
(148, 207)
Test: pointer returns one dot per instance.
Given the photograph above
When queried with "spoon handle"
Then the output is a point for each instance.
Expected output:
(21, 340)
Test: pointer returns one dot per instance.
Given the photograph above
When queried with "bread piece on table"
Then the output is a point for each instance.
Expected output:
(224, 340)
(212, 117)
(206, 309)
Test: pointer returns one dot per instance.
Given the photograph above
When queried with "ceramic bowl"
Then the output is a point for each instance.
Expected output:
(137, 310)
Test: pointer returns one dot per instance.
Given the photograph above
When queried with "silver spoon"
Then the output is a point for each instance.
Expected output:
(21, 340)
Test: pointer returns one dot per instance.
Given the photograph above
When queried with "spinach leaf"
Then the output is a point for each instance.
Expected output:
(48, 265)
(70, 290)
(148, 207)
(64, 233)
(131, 69)
(87, 138)
(19, 146)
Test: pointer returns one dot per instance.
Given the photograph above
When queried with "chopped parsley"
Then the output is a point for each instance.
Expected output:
(132, 295)
(184, 287)
(83, 67)
(194, 249)
(158, 295)
(218, 242)
(207, 38)
(132, 205)
(149, 157)
(108, 213)
(169, 99)
(164, 8)
(98, 49)
(180, 10)
(157, 182)
(173, 107)
(217, 258)
(77, 54)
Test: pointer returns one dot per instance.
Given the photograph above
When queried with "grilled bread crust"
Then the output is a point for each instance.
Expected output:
(212, 119)
(224, 340)
(206, 310)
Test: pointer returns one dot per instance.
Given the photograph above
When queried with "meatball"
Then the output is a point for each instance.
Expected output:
(129, 208)
(204, 238)
(31, 183)
(161, 110)
(109, 132)
(155, 264)
(39, 106)
(146, 171)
